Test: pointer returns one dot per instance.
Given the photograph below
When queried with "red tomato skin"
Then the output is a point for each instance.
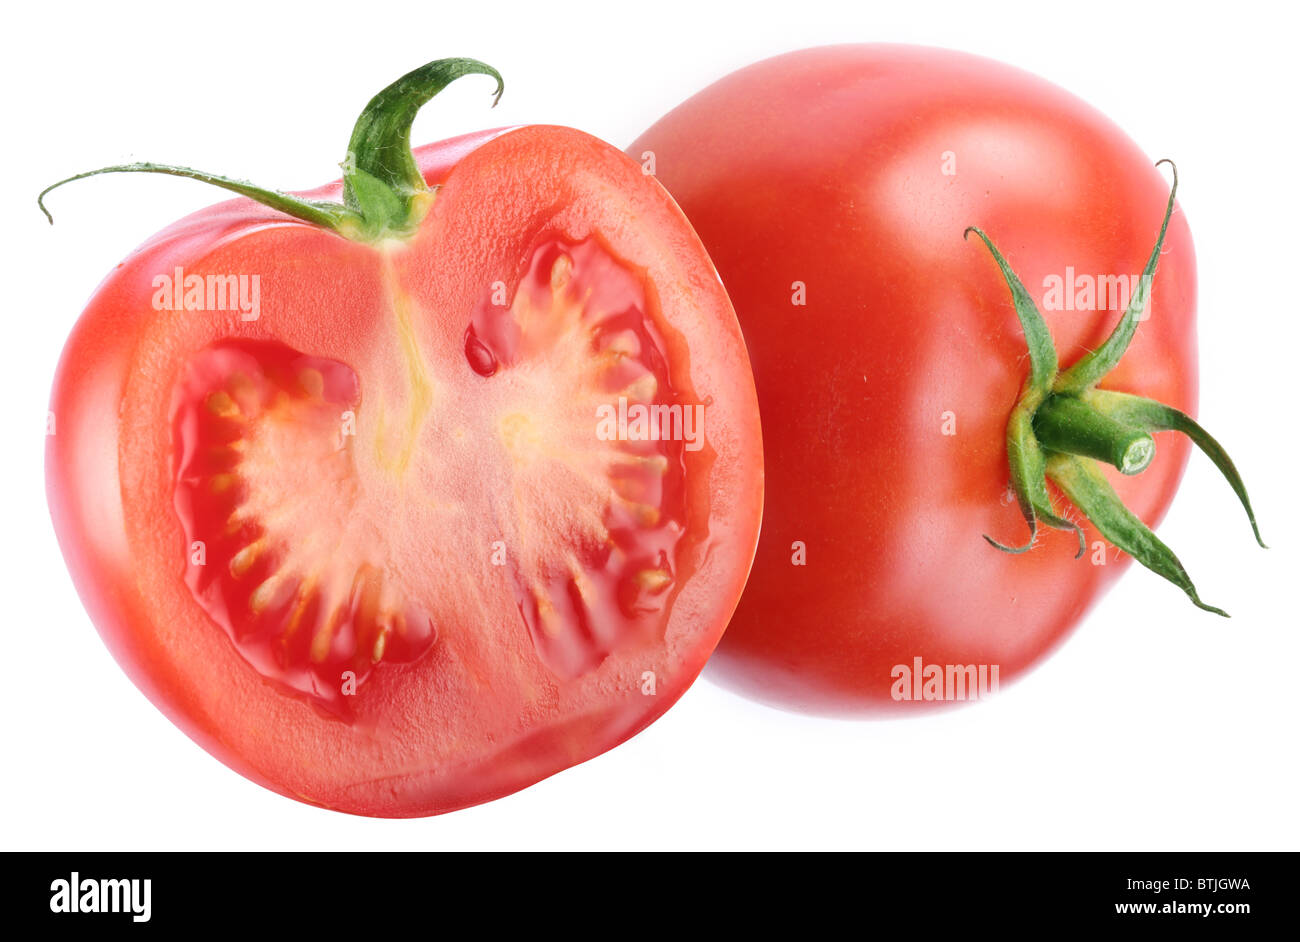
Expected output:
(827, 167)
(98, 464)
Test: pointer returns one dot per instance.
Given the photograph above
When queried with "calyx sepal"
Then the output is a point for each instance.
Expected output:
(1063, 427)
(384, 193)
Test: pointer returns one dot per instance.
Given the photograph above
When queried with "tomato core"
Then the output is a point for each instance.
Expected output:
(294, 488)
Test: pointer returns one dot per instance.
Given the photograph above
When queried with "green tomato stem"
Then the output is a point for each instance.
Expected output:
(1067, 425)
(384, 193)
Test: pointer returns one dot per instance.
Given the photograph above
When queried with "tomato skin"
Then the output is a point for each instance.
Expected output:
(827, 167)
(108, 469)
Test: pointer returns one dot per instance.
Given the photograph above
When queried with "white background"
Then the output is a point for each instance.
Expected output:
(1155, 727)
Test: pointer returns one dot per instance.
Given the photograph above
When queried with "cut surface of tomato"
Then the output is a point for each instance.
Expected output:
(394, 545)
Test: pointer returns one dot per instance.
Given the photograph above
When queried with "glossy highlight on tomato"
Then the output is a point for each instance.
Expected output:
(368, 547)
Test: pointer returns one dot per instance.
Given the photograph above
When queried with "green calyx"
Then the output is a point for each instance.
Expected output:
(384, 193)
(1063, 426)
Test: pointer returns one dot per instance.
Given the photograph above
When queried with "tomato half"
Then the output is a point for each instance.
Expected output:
(378, 520)
(833, 188)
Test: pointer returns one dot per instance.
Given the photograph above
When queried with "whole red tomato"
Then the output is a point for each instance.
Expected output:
(360, 488)
(833, 188)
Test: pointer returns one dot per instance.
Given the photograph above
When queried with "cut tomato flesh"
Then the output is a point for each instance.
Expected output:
(266, 490)
(284, 506)
(443, 520)
(576, 338)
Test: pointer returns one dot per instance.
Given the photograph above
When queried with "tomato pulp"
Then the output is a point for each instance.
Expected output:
(834, 188)
(337, 492)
